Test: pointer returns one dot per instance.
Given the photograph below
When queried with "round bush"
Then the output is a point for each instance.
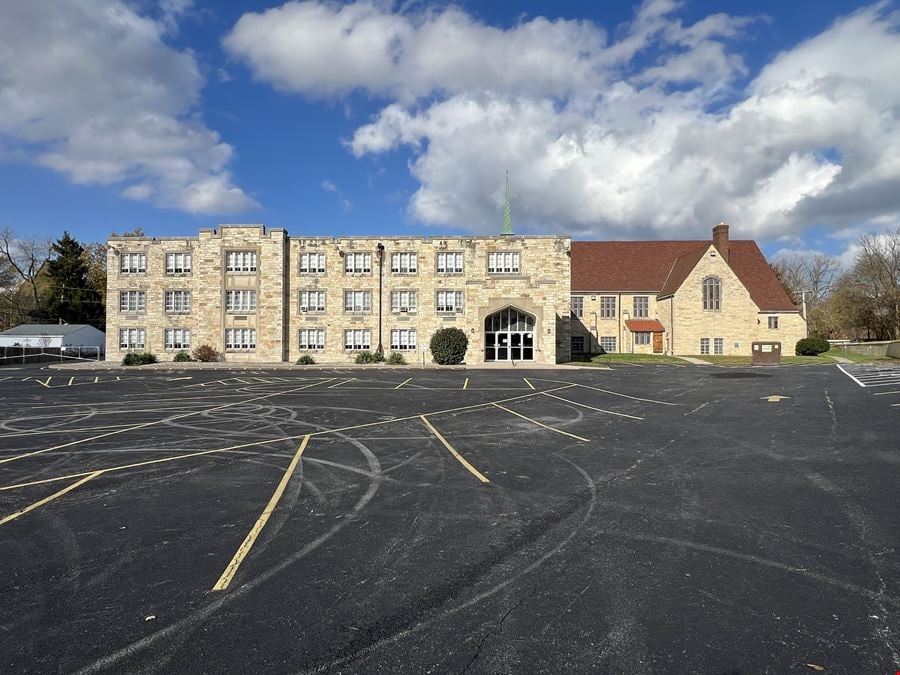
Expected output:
(448, 346)
(396, 359)
(206, 353)
(138, 359)
(306, 360)
(811, 347)
(182, 357)
(364, 357)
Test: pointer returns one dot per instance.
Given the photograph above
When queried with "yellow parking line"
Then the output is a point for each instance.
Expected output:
(406, 381)
(541, 424)
(466, 384)
(324, 432)
(462, 460)
(45, 500)
(528, 383)
(144, 425)
(260, 523)
(590, 407)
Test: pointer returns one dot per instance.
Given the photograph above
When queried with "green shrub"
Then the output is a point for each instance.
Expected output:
(206, 353)
(378, 357)
(306, 360)
(182, 357)
(138, 359)
(448, 346)
(396, 359)
(365, 357)
(811, 347)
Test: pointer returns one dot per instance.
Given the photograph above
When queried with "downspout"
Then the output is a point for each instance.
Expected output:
(380, 349)
(619, 314)
(672, 325)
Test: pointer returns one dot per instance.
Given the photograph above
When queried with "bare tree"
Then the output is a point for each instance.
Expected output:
(876, 273)
(812, 276)
(27, 256)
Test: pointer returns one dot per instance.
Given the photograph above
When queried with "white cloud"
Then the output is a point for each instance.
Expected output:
(649, 134)
(90, 89)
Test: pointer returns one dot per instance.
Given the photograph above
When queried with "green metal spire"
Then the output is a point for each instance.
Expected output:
(507, 210)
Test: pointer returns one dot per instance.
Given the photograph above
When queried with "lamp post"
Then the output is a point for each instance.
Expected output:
(380, 252)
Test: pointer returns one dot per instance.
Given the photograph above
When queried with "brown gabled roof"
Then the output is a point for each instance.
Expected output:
(751, 268)
(662, 266)
(644, 326)
(625, 265)
(683, 265)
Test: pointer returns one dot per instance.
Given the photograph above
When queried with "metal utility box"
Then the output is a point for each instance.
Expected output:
(766, 353)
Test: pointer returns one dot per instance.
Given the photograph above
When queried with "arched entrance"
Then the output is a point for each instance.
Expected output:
(509, 336)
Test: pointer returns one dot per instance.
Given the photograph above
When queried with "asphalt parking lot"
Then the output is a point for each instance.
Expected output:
(634, 520)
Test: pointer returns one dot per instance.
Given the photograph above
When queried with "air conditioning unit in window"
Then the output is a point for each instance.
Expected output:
(304, 308)
(459, 310)
(404, 309)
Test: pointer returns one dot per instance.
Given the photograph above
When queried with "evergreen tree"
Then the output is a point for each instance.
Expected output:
(71, 297)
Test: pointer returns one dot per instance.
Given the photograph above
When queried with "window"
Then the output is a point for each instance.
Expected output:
(357, 301)
(357, 339)
(178, 263)
(503, 262)
(642, 338)
(240, 301)
(403, 301)
(312, 338)
(403, 339)
(449, 301)
(312, 263)
(240, 338)
(178, 301)
(450, 263)
(608, 343)
(404, 263)
(134, 263)
(177, 338)
(718, 346)
(607, 307)
(312, 301)
(577, 306)
(132, 301)
(358, 263)
(712, 293)
(773, 322)
(131, 338)
(704, 346)
(240, 261)
(641, 307)
(578, 344)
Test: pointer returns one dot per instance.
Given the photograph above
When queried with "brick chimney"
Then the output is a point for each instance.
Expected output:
(720, 239)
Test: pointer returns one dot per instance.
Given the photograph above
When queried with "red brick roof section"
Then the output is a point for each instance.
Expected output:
(681, 268)
(751, 267)
(644, 326)
(625, 265)
(662, 266)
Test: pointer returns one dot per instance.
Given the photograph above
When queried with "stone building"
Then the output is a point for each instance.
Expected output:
(256, 294)
(678, 297)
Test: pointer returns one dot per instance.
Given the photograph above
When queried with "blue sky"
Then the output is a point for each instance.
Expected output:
(615, 120)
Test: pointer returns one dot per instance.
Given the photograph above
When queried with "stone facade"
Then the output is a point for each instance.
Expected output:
(283, 280)
(686, 327)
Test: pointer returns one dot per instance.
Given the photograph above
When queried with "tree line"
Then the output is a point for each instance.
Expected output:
(45, 281)
(860, 301)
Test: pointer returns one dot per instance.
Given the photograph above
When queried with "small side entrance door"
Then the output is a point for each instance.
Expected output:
(657, 343)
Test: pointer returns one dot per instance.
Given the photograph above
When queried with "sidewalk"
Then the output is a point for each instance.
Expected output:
(696, 362)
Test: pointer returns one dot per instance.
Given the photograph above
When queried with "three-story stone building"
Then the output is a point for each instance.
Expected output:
(256, 294)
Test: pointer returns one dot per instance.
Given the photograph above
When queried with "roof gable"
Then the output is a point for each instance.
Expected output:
(662, 267)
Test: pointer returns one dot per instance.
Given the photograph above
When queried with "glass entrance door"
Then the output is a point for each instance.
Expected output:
(509, 336)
